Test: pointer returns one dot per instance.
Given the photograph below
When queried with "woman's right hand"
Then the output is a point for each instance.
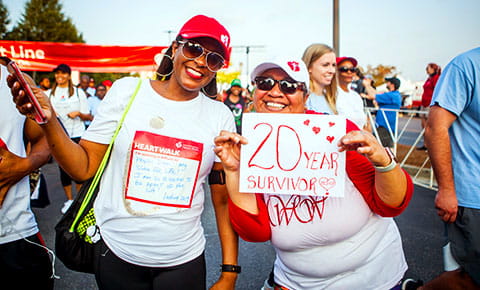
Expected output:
(24, 106)
(227, 148)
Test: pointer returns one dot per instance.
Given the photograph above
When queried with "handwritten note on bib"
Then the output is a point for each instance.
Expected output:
(292, 154)
(163, 170)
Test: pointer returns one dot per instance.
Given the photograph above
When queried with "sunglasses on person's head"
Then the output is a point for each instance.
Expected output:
(347, 69)
(286, 86)
(192, 50)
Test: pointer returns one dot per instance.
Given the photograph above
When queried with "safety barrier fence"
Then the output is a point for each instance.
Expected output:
(407, 135)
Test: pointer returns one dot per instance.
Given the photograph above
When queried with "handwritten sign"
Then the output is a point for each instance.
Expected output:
(292, 154)
(163, 170)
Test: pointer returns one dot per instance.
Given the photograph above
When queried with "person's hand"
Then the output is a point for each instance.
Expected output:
(24, 106)
(366, 144)
(225, 282)
(447, 205)
(73, 115)
(367, 82)
(227, 148)
(10, 171)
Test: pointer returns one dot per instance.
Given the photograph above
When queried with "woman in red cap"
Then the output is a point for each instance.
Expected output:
(349, 102)
(152, 191)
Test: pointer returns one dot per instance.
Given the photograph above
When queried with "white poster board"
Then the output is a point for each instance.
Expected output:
(292, 154)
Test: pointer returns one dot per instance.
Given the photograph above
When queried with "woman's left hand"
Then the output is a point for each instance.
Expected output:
(366, 144)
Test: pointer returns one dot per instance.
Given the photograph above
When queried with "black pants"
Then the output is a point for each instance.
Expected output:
(111, 272)
(25, 266)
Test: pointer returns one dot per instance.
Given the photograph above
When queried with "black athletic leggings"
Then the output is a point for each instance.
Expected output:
(113, 273)
(24, 265)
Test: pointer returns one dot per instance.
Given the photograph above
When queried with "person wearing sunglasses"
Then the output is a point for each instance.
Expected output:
(151, 193)
(354, 244)
(349, 102)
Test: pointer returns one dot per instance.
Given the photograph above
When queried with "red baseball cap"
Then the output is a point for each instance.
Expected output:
(203, 26)
(344, 58)
(107, 83)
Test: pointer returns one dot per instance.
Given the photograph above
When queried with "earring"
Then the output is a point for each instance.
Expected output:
(164, 76)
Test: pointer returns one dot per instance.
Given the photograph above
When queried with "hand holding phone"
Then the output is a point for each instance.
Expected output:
(39, 115)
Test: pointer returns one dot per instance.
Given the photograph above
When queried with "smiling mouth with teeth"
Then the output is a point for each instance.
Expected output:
(194, 72)
(276, 105)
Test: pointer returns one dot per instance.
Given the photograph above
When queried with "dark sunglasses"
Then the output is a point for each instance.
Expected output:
(286, 86)
(346, 69)
(192, 50)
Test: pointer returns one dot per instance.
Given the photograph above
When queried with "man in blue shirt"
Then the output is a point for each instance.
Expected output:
(452, 136)
(386, 121)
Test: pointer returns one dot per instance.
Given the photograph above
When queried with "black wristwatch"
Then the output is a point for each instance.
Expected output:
(231, 268)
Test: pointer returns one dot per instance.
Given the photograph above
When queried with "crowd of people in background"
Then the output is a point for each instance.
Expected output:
(166, 243)
(75, 106)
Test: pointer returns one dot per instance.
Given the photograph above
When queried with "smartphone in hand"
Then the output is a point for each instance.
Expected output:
(40, 117)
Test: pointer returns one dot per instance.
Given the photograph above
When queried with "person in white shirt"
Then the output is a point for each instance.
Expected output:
(71, 108)
(24, 262)
(321, 242)
(349, 102)
(151, 194)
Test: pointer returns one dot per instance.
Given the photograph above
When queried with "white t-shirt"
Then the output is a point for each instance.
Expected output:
(63, 105)
(345, 236)
(16, 218)
(138, 232)
(350, 105)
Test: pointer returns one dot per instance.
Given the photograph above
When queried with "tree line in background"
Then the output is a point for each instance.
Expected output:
(43, 20)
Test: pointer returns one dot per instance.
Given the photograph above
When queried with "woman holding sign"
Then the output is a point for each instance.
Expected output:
(321, 242)
(152, 191)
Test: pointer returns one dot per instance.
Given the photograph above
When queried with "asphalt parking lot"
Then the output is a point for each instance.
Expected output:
(422, 235)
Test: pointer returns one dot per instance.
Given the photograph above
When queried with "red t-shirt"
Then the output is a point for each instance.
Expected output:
(428, 88)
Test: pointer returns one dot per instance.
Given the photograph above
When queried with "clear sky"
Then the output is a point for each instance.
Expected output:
(405, 33)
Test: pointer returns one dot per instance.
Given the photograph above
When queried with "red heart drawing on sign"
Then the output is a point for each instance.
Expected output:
(330, 138)
(2, 144)
(306, 122)
(327, 183)
(331, 124)
(316, 130)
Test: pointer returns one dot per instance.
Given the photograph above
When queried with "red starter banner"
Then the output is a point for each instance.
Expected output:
(45, 56)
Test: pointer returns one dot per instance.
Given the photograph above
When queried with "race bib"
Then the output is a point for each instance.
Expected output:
(163, 170)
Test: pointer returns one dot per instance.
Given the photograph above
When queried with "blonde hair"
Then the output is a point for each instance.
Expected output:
(311, 54)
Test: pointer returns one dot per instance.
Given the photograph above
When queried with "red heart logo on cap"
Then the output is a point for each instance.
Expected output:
(316, 130)
(330, 138)
(295, 66)
(306, 122)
